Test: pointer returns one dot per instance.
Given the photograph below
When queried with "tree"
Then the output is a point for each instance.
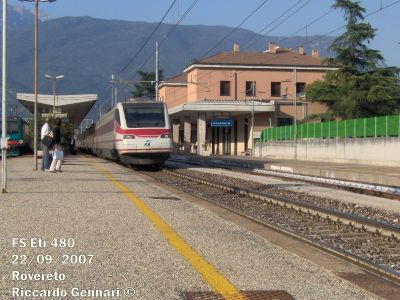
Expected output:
(361, 87)
(147, 88)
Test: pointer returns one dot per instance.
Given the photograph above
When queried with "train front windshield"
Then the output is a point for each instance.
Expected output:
(146, 115)
(12, 127)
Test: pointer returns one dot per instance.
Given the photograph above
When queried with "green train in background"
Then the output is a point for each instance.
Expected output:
(19, 141)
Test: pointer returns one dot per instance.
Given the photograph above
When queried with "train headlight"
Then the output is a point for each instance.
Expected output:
(129, 137)
(165, 136)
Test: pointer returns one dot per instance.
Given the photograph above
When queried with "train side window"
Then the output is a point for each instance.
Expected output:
(117, 117)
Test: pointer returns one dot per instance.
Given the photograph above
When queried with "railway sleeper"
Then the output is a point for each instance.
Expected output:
(319, 214)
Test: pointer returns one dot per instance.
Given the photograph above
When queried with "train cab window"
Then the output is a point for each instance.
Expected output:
(146, 115)
(12, 127)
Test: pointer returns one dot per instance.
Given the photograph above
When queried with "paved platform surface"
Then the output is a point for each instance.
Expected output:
(356, 172)
(109, 229)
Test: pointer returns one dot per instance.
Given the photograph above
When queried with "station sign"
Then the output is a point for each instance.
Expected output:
(58, 115)
(221, 123)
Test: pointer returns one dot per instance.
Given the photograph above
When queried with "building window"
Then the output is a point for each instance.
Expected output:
(224, 88)
(275, 89)
(300, 87)
(250, 88)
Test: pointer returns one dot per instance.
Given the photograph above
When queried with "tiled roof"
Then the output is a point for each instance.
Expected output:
(181, 78)
(281, 58)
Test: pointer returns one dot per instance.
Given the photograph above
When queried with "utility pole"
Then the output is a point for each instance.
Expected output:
(112, 93)
(253, 87)
(295, 112)
(115, 95)
(35, 143)
(157, 71)
(114, 89)
(35, 124)
(4, 139)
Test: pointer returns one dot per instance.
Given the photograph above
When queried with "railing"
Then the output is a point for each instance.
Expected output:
(386, 126)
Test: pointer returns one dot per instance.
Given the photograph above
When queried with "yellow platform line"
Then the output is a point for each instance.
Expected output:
(213, 277)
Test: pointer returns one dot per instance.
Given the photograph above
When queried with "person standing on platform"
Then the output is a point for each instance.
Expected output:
(58, 154)
(45, 150)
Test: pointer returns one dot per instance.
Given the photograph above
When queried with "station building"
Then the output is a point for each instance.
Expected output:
(220, 104)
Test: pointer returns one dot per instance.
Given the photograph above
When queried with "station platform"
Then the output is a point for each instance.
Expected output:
(381, 175)
(99, 227)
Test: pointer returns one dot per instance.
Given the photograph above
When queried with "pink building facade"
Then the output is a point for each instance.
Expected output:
(248, 91)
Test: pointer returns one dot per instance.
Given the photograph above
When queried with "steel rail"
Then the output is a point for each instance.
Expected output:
(360, 222)
(384, 190)
(375, 269)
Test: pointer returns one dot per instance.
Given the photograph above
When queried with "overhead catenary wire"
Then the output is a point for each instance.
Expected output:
(319, 37)
(273, 21)
(306, 26)
(170, 31)
(147, 40)
(221, 40)
(276, 19)
(279, 24)
(251, 14)
(343, 26)
(236, 28)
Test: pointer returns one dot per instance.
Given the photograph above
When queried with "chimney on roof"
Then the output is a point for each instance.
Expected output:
(302, 51)
(272, 47)
(315, 52)
(236, 47)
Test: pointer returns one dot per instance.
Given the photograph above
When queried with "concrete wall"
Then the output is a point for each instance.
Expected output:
(370, 151)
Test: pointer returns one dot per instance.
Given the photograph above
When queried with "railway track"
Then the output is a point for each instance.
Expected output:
(369, 243)
(379, 190)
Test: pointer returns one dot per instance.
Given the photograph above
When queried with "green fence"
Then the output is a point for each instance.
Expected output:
(387, 126)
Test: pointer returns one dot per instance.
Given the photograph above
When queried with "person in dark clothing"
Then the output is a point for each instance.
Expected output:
(45, 150)
(57, 153)
(72, 146)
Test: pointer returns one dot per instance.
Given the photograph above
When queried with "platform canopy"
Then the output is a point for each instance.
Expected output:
(233, 107)
(75, 107)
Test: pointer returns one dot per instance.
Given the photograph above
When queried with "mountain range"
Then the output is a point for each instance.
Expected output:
(88, 50)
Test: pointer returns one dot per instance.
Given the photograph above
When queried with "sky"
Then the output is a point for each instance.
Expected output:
(232, 12)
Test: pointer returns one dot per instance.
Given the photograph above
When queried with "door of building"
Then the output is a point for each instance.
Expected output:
(235, 132)
(213, 140)
(227, 140)
(246, 134)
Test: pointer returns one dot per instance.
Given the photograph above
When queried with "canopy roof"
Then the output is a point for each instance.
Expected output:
(74, 106)
(234, 107)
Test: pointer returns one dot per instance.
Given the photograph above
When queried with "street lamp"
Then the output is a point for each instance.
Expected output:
(36, 77)
(54, 79)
